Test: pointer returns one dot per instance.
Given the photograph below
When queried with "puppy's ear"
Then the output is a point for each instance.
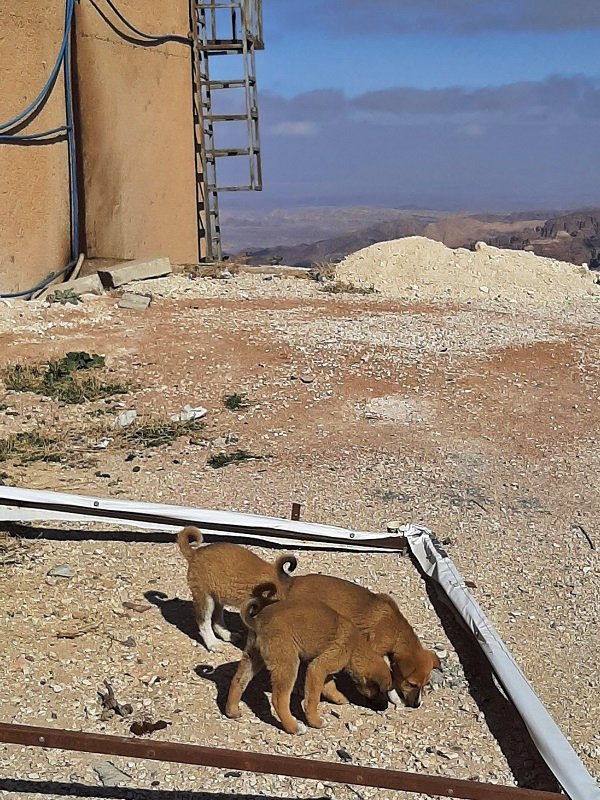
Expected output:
(435, 660)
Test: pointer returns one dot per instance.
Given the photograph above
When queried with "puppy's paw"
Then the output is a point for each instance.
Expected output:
(301, 729)
(235, 712)
(214, 647)
(223, 634)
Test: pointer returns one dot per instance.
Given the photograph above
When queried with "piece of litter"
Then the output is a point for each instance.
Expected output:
(139, 607)
(102, 444)
(109, 774)
(188, 413)
(125, 419)
(73, 633)
(109, 704)
(62, 571)
(142, 727)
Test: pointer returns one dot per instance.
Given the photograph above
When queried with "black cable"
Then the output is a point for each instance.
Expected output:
(10, 138)
(172, 37)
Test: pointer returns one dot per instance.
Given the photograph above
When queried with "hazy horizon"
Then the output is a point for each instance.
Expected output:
(479, 105)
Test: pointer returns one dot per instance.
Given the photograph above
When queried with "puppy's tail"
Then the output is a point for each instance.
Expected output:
(284, 566)
(183, 540)
(262, 595)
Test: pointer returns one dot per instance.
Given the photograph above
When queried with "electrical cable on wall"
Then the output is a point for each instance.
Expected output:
(10, 130)
(18, 122)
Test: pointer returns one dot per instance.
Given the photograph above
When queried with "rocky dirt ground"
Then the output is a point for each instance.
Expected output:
(478, 419)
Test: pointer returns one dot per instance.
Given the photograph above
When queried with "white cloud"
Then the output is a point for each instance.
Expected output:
(289, 128)
(472, 129)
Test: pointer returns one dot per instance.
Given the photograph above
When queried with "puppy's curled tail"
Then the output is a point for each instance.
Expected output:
(249, 612)
(262, 595)
(183, 540)
(284, 567)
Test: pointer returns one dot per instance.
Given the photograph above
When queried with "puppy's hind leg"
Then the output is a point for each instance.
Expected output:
(283, 678)
(250, 665)
(332, 694)
(316, 675)
(204, 606)
(218, 624)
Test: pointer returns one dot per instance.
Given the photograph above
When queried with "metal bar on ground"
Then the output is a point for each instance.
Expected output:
(181, 753)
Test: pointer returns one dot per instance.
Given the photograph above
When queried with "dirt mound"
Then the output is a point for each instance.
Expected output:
(401, 267)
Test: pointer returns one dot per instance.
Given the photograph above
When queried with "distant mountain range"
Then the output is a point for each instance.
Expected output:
(568, 236)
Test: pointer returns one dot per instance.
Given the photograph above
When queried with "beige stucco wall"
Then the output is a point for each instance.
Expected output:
(137, 134)
(34, 187)
(136, 141)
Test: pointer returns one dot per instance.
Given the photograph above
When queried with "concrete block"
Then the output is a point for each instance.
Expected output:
(90, 284)
(138, 302)
(135, 271)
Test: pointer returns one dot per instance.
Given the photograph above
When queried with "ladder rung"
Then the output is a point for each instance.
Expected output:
(230, 151)
(226, 117)
(222, 46)
(230, 84)
(231, 188)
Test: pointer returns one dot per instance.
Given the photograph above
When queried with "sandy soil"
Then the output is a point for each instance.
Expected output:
(477, 419)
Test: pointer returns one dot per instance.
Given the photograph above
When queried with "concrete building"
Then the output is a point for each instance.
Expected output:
(134, 175)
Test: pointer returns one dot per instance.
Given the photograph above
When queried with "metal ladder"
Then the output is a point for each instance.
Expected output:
(218, 29)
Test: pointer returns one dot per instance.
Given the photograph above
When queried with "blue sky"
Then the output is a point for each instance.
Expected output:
(451, 104)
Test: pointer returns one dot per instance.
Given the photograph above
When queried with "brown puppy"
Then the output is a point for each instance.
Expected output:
(378, 617)
(284, 633)
(224, 574)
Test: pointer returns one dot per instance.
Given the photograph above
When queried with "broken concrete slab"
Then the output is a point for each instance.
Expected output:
(138, 302)
(90, 284)
(135, 271)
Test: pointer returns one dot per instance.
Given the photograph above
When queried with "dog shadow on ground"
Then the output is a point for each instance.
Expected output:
(256, 695)
(180, 613)
(503, 720)
(69, 789)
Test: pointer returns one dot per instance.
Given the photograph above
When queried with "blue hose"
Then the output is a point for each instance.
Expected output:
(71, 144)
(4, 126)
(64, 60)
(41, 285)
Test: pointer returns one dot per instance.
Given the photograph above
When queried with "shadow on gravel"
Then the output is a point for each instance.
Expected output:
(506, 726)
(48, 789)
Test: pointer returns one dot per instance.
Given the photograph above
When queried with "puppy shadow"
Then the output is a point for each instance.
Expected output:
(180, 613)
(256, 695)
(347, 687)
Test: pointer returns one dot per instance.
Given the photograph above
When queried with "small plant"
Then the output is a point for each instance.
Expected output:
(159, 433)
(64, 296)
(61, 378)
(30, 446)
(220, 460)
(236, 402)
(322, 271)
(339, 287)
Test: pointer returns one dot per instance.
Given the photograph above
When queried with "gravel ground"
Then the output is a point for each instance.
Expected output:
(478, 419)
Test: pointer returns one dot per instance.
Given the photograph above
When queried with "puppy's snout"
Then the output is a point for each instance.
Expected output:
(414, 701)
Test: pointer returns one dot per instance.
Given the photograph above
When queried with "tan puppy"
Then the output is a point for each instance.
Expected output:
(378, 617)
(224, 574)
(284, 633)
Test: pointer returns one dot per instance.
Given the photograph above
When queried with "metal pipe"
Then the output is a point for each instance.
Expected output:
(181, 753)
